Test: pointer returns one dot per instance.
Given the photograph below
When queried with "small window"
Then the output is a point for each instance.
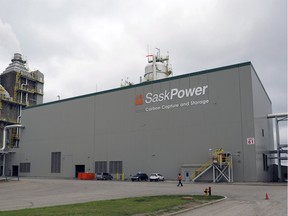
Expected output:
(116, 166)
(55, 162)
(262, 132)
(265, 162)
(100, 166)
(25, 167)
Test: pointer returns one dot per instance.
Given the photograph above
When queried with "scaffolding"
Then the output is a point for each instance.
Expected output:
(19, 87)
(221, 165)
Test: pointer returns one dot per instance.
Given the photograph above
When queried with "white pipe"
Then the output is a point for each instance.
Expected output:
(154, 68)
(21, 101)
(4, 143)
(278, 150)
(19, 119)
(26, 102)
(279, 115)
(23, 84)
(4, 134)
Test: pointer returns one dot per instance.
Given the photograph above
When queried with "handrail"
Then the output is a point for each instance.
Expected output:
(201, 169)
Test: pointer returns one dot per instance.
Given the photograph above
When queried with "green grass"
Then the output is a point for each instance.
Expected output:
(154, 205)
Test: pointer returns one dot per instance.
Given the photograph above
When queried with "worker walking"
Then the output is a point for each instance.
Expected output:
(180, 180)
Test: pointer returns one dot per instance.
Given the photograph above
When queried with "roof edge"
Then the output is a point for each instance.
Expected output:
(148, 83)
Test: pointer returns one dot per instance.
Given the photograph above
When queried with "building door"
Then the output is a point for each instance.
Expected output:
(15, 170)
(79, 168)
(68, 171)
(187, 176)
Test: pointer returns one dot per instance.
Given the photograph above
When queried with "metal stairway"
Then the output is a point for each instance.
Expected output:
(201, 170)
(221, 162)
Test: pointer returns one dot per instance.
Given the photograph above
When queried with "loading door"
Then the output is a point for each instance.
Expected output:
(15, 170)
(79, 168)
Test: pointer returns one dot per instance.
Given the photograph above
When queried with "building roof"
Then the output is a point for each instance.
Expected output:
(156, 81)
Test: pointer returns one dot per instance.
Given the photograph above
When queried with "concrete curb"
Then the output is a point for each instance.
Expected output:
(195, 207)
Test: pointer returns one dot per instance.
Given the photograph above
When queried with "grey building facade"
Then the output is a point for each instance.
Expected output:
(161, 126)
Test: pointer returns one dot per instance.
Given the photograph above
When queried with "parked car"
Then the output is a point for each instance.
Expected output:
(140, 177)
(104, 176)
(156, 177)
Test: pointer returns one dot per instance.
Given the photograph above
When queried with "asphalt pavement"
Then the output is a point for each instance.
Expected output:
(249, 199)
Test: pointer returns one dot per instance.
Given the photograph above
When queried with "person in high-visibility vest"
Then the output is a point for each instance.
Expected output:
(180, 180)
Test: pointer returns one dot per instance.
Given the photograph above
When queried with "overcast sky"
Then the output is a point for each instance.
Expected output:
(83, 46)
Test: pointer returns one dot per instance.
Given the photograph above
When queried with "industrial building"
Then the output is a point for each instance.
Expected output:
(19, 88)
(208, 125)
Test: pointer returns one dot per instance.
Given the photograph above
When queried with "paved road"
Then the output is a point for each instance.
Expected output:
(242, 199)
(247, 200)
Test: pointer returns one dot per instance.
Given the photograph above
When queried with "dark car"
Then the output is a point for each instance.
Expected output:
(104, 176)
(140, 177)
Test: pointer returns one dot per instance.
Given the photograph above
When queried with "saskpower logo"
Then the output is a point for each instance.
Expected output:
(186, 98)
(138, 100)
(174, 93)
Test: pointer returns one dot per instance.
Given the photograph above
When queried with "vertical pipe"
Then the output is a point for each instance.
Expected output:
(19, 122)
(213, 173)
(4, 161)
(27, 99)
(4, 139)
(229, 173)
(231, 165)
(278, 149)
(154, 68)
(21, 97)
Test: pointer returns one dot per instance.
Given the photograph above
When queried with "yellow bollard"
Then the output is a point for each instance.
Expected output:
(206, 192)
(123, 178)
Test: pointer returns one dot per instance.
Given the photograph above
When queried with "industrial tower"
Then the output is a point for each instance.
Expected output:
(19, 87)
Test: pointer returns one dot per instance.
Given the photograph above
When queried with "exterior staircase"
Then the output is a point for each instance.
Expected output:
(201, 170)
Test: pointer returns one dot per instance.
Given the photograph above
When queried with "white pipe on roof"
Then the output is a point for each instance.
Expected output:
(275, 115)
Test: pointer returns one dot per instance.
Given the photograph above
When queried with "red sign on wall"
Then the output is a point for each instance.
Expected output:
(250, 141)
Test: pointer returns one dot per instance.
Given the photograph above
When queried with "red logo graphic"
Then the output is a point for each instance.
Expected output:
(138, 100)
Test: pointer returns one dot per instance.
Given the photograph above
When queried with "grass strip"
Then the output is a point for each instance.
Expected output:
(153, 205)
